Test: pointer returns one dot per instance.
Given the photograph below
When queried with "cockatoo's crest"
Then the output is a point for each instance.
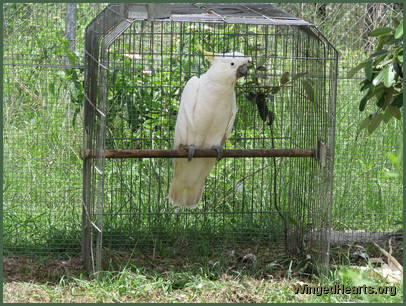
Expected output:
(208, 55)
(224, 67)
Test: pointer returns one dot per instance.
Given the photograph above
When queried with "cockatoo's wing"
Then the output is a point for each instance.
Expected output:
(189, 176)
(184, 122)
(230, 124)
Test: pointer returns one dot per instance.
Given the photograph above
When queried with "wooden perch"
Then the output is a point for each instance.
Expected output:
(201, 153)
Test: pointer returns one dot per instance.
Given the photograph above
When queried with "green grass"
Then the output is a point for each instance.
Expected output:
(184, 277)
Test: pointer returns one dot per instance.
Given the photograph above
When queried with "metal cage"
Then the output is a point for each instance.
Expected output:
(274, 187)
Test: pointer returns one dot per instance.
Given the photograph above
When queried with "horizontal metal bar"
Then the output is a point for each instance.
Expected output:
(189, 212)
(44, 65)
(231, 20)
(182, 153)
(171, 138)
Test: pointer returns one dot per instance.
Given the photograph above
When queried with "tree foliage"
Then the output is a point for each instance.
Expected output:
(383, 80)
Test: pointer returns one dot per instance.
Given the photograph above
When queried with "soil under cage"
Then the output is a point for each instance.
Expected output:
(138, 60)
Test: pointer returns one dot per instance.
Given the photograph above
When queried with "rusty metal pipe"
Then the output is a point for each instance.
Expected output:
(181, 153)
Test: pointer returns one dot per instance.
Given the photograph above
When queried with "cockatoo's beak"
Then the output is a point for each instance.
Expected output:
(242, 71)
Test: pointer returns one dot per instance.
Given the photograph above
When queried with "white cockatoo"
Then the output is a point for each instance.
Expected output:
(205, 120)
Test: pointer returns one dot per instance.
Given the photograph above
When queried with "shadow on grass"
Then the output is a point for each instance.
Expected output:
(179, 257)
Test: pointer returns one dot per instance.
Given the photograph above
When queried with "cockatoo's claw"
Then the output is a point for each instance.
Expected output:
(190, 152)
(219, 150)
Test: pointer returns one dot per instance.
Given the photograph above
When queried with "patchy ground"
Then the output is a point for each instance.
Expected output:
(241, 275)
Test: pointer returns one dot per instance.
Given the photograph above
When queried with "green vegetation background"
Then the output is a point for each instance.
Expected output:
(43, 131)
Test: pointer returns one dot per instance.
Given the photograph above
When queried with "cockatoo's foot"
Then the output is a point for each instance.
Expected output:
(219, 150)
(190, 152)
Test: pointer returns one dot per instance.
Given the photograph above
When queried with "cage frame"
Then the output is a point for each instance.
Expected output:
(103, 31)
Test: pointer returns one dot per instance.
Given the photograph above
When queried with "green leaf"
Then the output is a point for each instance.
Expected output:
(365, 98)
(285, 77)
(389, 76)
(366, 84)
(379, 78)
(354, 70)
(262, 68)
(393, 158)
(380, 32)
(362, 104)
(384, 40)
(297, 76)
(364, 123)
(383, 64)
(394, 111)
(378, 91)
(399, 31)
(368, 70)
(381, 102)
(254, 77)
(398, 101)
(271, 118)
(400, 58)
(374, 123)
(307, 85)
(380, 52)
(388, 96)
(378, 59)
(261, 63)
(397, 67)
(275, 89)
(395, 22)
(387, 115)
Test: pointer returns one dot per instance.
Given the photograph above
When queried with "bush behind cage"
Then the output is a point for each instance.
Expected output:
(136, 71)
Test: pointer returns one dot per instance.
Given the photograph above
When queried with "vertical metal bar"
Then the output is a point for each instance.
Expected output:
(70, 24)
(91, 44)
(1, 132)
(107, 19)
(100, 159)
(331, 138)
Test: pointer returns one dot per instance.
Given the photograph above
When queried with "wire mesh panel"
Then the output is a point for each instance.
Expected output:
(366, 196)
(42, 117)
(137, 69)
(43, 173)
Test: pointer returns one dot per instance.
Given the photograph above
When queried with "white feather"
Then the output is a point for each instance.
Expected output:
(206, 117)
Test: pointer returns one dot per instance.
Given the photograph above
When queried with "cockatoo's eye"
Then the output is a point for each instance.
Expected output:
(232, 64)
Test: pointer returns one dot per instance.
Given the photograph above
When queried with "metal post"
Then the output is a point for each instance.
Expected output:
(70, 26)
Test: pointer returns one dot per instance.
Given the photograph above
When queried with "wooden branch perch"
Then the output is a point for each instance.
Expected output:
(201, 153)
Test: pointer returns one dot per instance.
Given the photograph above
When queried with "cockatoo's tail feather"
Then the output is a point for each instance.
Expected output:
(188, 181)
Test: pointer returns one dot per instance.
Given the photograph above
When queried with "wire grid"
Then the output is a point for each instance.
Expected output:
(140, 76)
(42, 168)
(365, 198)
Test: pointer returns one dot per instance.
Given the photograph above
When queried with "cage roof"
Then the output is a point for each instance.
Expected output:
(246, 13)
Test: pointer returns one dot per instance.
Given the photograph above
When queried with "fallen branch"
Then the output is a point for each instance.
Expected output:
(391, 260)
